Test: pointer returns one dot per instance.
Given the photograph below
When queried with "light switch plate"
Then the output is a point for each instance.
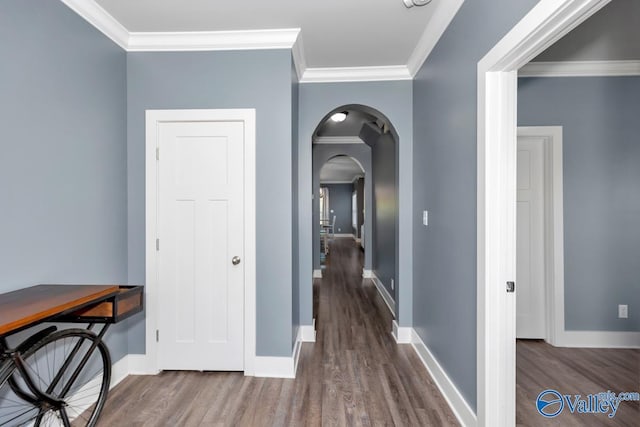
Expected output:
(425, 218)
(623, 311)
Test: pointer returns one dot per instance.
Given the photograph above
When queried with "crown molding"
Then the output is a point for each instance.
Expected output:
(95, 15)
(297, 51)
(212, 40)
(338, 140)
(290, 38)
(355, 74)
(437, 25)
(580, 69)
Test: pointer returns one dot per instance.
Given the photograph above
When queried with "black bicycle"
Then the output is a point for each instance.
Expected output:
(54, 378)
(58, 377)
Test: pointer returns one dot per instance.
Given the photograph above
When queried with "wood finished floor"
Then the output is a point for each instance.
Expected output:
(354, 374)
(540, 366)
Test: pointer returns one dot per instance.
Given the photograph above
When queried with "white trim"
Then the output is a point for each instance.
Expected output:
(280, 367)
(356, 74)
(388, 299)
(547, 21)
(599, 339)
(287, 38)
(338, 140)
(138, 365)
(450, 392)
(297, 52)
(119, 371)
(95, 15)
(317, 274)
(344, 234)
(435, 28)
(275, 367)
(553, 227)
(212, 40)
(580, 69)
(153, 119)
(367, 274)
(336, 182)
(402, 334)
(308, 332)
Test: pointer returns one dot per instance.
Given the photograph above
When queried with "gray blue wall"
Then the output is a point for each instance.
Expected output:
(394, 100)
(601, 162)
(385, 207)
(444, 182)
(63, 163)
(340, 204)
(227, 79)
(295, 249)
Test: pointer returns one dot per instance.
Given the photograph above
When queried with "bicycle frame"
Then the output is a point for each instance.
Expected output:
(11, 360)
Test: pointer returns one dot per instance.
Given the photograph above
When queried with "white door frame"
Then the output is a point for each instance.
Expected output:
(548, 21)
(153, 119)
(553, 228)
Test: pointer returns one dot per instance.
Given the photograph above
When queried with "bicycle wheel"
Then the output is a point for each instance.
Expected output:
(72, 365)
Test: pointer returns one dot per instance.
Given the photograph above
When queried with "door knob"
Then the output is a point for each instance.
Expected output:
(235, 260)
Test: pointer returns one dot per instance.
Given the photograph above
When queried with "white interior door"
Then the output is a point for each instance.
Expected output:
(200, 229)
(530, 268)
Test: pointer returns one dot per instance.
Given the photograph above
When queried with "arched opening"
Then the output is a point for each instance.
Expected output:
(341, 202)
(366, 136)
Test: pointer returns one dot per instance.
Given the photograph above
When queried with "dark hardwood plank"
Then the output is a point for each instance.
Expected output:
(354, 374)
(583, 371)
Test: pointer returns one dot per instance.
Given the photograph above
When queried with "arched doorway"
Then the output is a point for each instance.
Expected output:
(366, 135)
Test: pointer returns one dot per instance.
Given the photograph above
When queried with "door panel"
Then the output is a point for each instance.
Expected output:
(530, 297)
(200, 222)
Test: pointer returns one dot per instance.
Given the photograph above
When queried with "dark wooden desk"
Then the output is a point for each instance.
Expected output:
(26, 307)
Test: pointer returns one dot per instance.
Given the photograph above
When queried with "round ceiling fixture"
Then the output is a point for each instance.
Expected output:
(339, 117)
(411, 3)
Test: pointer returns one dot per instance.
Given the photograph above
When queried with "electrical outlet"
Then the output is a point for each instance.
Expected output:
(392, 284)
(339, 229)
(623, 311)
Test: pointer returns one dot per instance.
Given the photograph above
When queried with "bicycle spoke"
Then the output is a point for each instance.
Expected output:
(32, 408)
(76, 369)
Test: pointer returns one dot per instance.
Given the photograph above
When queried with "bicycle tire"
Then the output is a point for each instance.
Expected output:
(84, 396)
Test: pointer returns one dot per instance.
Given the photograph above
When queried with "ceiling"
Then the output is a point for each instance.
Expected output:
(611, 34)
(351, 126)
(340, 169)
(336, 33)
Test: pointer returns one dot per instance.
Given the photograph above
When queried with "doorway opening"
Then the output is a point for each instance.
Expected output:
(342, 212)
(546, 23)
(355, 176)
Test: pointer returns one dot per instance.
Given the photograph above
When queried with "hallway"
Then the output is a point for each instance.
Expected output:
(354, 374)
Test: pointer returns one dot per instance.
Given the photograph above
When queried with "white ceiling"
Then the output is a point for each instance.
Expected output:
(340, 169)
(336, 33)
(612, 34)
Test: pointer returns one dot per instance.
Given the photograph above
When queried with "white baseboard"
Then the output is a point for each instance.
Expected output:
(280, 367)
(139, 365)
(344, 235)
(598, 339)
(367, 274)
(275, 367)
(308, 332)
(402, 334)
(317, 274)
(388, 299)
(120, 370)
(457, 403)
